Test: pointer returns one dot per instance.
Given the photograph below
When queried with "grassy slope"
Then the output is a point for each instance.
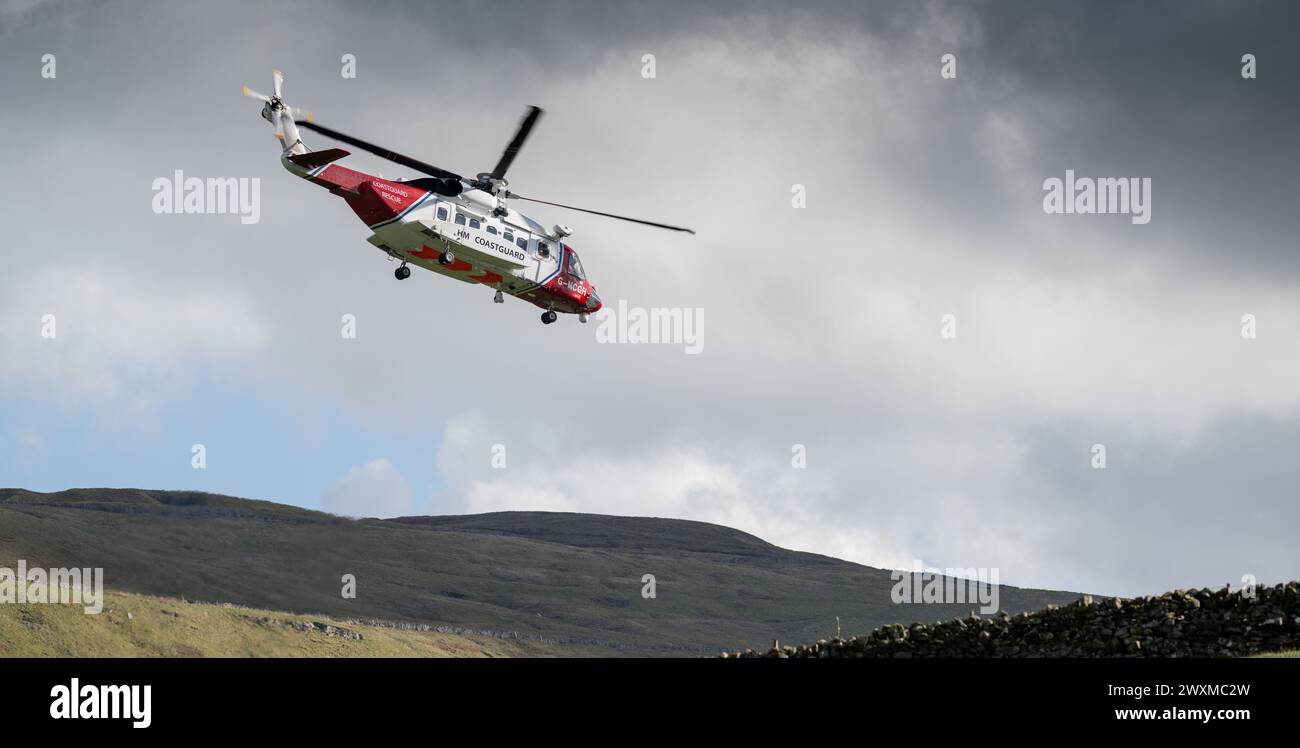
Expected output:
(574, 578)
(165, 627)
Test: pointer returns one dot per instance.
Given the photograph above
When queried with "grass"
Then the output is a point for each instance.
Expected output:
(133, 625)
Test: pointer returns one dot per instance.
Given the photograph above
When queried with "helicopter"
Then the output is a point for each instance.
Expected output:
(454, 226)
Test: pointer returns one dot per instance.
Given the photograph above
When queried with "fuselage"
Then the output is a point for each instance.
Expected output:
(493, 245)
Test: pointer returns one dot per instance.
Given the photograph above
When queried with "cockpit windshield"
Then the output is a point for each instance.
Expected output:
(575, 267)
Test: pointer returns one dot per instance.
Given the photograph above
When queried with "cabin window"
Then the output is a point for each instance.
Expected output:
(508, 236)
(460, 219)
(473, 223)
(575, 267)
(491, 229)
(543, 249)
(522, 243)
(442, 214)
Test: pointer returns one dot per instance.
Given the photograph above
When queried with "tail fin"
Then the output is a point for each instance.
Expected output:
(314, 159)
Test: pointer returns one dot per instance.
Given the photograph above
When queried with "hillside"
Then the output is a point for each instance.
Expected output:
(569, 578)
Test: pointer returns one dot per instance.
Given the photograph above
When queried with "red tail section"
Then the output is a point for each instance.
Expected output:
(373, 199)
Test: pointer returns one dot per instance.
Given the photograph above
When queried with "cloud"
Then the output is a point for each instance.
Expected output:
(91, 336)
(375, 489)
(761, 494)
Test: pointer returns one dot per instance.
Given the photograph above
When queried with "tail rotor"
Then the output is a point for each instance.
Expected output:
(274, 110)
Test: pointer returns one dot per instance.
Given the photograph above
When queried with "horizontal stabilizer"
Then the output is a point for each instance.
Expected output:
(318, 158)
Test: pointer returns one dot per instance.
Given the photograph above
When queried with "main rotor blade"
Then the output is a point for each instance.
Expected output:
(445, 187)
(512, 149)
(250, 93)
(599, 213)
(380, 151)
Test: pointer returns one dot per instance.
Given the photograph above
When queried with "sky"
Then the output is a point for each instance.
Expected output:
(823, 322)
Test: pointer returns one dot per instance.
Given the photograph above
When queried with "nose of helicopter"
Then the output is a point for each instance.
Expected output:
(593, 302)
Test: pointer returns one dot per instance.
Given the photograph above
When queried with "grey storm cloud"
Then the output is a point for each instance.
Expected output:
(822, 324)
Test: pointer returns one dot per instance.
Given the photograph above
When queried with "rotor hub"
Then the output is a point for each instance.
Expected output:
(488, 183)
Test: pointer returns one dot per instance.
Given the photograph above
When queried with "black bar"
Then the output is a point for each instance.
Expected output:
(306, 696)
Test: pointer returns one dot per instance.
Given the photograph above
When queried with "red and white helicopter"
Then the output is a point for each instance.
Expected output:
(457, 227)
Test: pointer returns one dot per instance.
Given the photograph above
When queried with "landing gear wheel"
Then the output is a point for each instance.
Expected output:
(402, 273)
(446, 258)
(548, 317)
